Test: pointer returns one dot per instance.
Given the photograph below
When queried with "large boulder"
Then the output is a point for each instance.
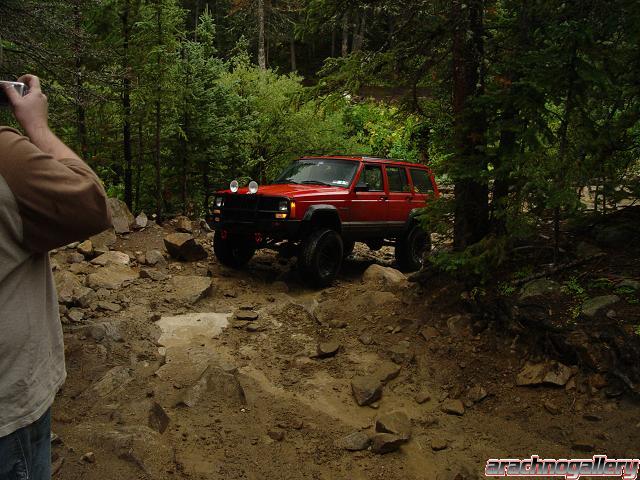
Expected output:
(539, 287)
(183, 224)
(121, 217)
(591, 307)
(182, 246)
(387, 277)
(111, 277)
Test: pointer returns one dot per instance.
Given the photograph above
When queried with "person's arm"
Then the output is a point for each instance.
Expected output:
(60, 199)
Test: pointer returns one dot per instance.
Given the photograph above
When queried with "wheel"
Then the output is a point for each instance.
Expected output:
(347, 247)
(233, 250)
(321, 257)
(411, 249)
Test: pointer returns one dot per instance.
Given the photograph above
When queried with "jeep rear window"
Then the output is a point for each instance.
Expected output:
(398, 181)
(329, 172)
(421, 181)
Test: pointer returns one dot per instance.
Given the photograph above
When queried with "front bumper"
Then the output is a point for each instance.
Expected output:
(276, 229)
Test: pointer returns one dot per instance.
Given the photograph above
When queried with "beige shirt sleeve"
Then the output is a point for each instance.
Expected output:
(59, 200)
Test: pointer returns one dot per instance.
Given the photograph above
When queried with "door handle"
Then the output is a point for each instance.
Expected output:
(383, 197)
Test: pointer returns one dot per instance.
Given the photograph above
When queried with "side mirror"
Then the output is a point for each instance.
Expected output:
(362, 188)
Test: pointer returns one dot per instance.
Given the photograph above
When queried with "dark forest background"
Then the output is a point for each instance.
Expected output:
(521, 108)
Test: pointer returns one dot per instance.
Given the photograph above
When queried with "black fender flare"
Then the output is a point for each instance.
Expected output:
(323, 209)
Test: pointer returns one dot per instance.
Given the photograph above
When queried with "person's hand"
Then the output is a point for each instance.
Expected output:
(32, 110)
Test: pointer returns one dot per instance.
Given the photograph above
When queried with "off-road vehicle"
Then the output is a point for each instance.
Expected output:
(319, 207)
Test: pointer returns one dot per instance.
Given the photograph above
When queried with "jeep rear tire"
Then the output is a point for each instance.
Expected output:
(321, 257)
(234, 251)
(411, 249)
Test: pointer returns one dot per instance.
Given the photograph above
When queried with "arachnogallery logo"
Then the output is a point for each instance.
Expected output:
(597, 466)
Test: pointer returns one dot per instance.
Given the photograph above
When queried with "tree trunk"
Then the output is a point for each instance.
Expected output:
(156, 153)
(262, 59)
(345, 34)
(471, 191)
(126, 106)
(80, 110)
(293, 53)
(358, 35)
(138, 166)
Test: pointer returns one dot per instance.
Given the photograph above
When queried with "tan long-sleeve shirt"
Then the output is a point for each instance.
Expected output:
(44, 203)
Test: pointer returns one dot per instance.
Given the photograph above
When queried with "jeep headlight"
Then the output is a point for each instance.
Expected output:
(219, 202)
(283, 206)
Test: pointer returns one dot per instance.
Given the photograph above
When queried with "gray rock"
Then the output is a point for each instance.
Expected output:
(354, 442)
(86, 248)
(108, 306)
(366, 389)
(327, 349)
(365, 339)
(477, 393)
(153, 274)
(276, 434)
(141, 221)
(70, 289)
(112, 382)
(395, 422)
(75, 315)
(586, 250)
(386, 277)
(214, 382)
(386, 372)
(402, 353)
(158, 419)
(75, 257)
(104, 240)
(459, 325)
(382, 443)
(182, 246)
(155, 258)
(111, 277)
(423, 396)
(121, 217)
(439, 443)
(102, 331)
(453, 407)
(183, 224)
(592, 306)
(246, 315)
(539, 287)
(549, 372)
(112, 257)
(189, 288)
(429, 333)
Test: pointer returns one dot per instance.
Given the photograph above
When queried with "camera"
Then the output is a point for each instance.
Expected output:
(20, 87)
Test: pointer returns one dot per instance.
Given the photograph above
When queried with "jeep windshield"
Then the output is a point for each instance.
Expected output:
(320, 171)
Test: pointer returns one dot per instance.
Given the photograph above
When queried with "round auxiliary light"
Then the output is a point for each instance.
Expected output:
(253, 186)
(234, 185)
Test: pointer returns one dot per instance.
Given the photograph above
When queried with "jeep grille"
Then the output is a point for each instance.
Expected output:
(243, 207)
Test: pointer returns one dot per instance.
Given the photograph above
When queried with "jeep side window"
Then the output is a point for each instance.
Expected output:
(421, 181)
(372, 177)
(398, 181)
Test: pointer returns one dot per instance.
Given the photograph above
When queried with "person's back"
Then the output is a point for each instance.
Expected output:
(48, 198)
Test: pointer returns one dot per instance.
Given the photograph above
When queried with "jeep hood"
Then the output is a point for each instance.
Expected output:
(293, 190)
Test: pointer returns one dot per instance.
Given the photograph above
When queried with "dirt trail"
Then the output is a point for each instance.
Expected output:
(212, 397)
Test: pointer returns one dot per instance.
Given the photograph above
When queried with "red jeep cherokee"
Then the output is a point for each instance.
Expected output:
(322, 206)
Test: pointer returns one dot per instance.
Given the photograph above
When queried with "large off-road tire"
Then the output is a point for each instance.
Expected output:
(234, 251)
(321, 257)
(412, 248)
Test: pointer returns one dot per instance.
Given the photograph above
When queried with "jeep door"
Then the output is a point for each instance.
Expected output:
(368, 204)
(400, 196)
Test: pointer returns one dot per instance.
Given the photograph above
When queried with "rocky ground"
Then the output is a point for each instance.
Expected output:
(181, 368)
